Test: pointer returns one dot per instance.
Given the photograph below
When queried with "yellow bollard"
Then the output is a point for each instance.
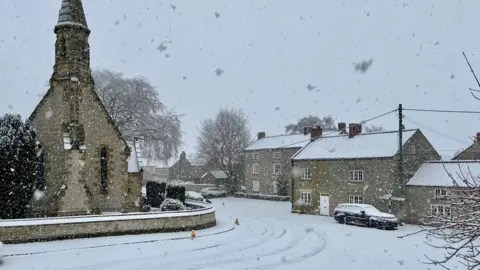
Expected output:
(193, 234)
(236, 222)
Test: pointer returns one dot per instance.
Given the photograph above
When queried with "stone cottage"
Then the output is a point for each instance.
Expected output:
(85, 155)
(268, 158)
(429, 189)
(185, 170)
(214, 177)
(472, 152)
(357, 168)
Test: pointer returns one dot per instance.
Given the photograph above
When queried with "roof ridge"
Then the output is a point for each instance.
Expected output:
(280, 135)
(368, 133)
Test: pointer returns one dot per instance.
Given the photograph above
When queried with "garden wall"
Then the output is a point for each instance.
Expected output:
(47, 229)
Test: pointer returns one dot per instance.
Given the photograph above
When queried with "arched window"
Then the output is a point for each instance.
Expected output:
(104, 170)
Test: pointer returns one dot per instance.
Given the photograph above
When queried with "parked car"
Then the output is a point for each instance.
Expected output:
(194, 196)
(364, 215)
(213, 192)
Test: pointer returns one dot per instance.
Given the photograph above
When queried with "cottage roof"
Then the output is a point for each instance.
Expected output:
(440, 173)
(364, 145)
(280, 141)
(217, 174)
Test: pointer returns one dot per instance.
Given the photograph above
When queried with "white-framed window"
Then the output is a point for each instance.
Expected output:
(255, 168)
(413, 149)
(277, 155)
(440, 193)
(256, 156)
(306, 174)
(440, 210)
(356, 175)
(355, 199)
(306, 197)
(256, 186)
(277, 169)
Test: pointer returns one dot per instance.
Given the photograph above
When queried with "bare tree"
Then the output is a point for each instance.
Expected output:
(327, 123)
(134, 105)
(222, 141)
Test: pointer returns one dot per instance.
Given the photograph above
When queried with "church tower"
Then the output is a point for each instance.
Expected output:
(85, 155)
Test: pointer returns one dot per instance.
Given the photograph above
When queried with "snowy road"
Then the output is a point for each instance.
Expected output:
(268, 237)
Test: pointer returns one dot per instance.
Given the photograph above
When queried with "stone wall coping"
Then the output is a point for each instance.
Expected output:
(109, 217)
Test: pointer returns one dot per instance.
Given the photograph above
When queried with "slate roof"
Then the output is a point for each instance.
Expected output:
(217, 174)
(436, 173)
(280, 141)
(72, 12)
(364, 145)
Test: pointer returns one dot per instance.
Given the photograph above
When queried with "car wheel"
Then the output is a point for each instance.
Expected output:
(346, 220)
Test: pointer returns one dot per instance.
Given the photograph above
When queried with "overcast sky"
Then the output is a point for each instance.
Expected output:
(270, 51)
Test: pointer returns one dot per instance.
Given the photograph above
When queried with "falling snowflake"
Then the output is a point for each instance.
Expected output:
(49, 114)
(363, 66)
(217, 15)
(173, 7)
(219, 72)
(310, 87)
(161, 48)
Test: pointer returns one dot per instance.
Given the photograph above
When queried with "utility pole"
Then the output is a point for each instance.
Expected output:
(400, 148)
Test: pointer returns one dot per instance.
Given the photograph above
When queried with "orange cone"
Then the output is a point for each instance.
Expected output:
(236, 222)
(193, 235)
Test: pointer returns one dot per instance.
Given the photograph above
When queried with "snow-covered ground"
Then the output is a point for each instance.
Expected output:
(268, 237)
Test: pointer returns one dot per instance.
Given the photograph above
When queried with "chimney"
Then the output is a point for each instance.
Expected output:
(307, 130)
(478, 138)
(315, 132)
(183, 156)
(342, 127)
(261, 135)
(354, 129)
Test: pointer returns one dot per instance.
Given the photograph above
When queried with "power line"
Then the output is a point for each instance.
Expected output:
(381, 115)
(441, 111)
(435, 131)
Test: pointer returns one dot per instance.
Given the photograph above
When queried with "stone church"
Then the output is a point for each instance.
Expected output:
(86, 158)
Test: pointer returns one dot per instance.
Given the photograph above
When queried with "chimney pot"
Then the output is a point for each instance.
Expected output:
(261, 135)
(315, 132)
(478, 138)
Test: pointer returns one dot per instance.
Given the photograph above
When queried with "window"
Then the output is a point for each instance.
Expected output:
(440, 210)
(104, 170)
(256, 156)
(256, 185)
(306, 197)
(255, 168)
(274, 187)
(306, 174)
(413, 150)
(277, 155)
(277, 168)
(356, 175)
(355, 199)
(440, 193)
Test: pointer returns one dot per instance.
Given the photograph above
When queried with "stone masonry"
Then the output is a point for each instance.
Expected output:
(72, 112)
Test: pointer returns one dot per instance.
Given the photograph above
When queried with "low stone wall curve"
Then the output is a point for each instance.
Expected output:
(48, 229)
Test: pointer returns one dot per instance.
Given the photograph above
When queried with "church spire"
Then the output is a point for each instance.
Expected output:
(71, 13)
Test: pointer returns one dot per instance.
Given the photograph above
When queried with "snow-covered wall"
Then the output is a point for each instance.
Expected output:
(47, 229)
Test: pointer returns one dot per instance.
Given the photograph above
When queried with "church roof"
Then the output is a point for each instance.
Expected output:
(71, 13)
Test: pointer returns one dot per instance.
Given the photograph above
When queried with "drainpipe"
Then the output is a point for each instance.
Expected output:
(292, 189)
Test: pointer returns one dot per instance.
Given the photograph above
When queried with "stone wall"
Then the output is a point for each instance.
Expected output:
(265, 174)
(56, 229)
(471, 153)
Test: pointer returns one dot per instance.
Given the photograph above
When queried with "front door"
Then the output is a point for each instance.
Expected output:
(324, 204)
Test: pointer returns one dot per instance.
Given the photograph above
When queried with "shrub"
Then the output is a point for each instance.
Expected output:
(176, 191)
(155, 193)
(170, 204)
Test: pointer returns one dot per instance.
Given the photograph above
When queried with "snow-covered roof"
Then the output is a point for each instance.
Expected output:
(133, 159)
(440, 173)
(364, 145)
(280, 141)
(217, 174)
